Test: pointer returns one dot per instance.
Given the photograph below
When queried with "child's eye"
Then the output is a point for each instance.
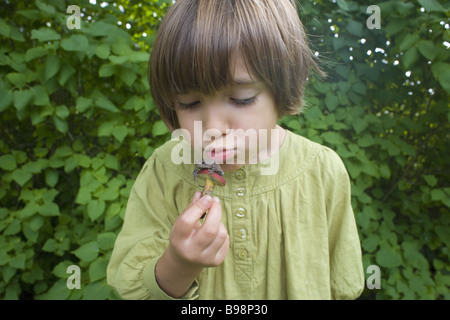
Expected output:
(187, 106)
(243, 102)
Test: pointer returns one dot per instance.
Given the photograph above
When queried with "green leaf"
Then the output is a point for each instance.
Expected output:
(83, 104)
(431, 5)
(58, 291)
(107, 70)
(16, 79)
(43, 7)
(18, 261)
(360, 125)
(96, 291)
(21, 176)
(13, 228)
(102, 51)
(408, 41)
(332, 137)
(120, 132)
(7, 99)
(105, 104)
(87, 252)
(45, 34)
(410, 57)
(388, 257)
(95, 209)
(414, 257)
(108, 194)
(385, 171)
(101, 28)
(49, 209)
(343, 5)
(430, 179)
(366, 141)
(355, 28)
(111, 162)
(76, 42)
(441, 71)
(51, 178)
(159, 129)
(106, 240)
(60, 125)
(35, 53)
(62, 112)
(8, 162)
(438, 195)
(36, 223)
(67, 71)
(41, 97)
(50, 245)
(128, 76)
(338, 43)
(4, 28)
(427, 49)
(63, 152)
(21, 99)
(139, 56)
(52, 66)
(331, 102)
(83, 196)
(97, 269)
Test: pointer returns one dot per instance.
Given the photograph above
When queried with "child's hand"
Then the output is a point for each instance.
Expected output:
(197, 245)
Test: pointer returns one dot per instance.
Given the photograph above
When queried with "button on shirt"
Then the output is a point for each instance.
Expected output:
(292, 234)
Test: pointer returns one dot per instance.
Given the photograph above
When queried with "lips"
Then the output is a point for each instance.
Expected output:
(220, 155)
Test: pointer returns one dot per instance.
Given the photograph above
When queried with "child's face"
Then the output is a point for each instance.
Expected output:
(235, 121)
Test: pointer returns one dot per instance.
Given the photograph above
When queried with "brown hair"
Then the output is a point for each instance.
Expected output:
(198, 39)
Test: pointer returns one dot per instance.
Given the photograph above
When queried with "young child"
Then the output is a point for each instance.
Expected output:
(237, 65)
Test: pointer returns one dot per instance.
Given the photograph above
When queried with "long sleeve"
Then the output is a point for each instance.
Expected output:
(346, 270)
(144, 236)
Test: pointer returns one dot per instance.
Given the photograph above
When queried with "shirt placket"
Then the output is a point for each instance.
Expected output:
(241, 226)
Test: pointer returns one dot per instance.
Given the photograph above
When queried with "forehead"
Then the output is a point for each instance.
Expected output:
(241, 74)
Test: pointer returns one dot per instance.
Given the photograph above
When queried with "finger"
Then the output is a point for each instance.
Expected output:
(212, 222)
(192, 214)
(222, 252)
(197, 195)
(215, 252)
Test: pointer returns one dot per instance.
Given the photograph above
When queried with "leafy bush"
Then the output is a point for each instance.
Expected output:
(384, 109)
(78, 121)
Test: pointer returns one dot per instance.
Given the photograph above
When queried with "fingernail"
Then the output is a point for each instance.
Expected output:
(215, 199)
(197, 195)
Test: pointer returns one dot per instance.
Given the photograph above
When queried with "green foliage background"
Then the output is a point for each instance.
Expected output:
(78, 121)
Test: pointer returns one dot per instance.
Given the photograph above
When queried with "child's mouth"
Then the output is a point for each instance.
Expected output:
(220, 155)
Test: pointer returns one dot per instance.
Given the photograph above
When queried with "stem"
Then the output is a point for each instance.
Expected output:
(208, 188)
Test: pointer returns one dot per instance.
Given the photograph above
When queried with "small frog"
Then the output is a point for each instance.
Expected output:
(212, 166)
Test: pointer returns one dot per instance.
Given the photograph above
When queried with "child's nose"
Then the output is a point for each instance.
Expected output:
(215, 121)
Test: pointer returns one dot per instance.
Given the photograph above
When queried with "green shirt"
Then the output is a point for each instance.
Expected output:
(292, 234)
